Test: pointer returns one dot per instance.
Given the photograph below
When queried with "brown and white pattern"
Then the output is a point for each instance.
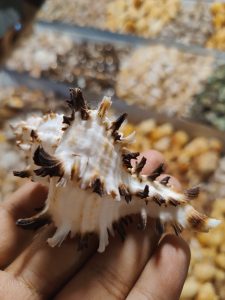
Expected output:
(93, 186)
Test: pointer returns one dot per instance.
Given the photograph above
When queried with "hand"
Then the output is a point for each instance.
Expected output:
(137, 269)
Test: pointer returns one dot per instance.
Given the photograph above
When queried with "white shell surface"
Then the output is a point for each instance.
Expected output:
(81, 151)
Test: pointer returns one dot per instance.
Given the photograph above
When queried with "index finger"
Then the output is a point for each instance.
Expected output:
(21, 203)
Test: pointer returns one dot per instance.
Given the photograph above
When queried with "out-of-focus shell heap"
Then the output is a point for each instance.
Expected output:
(93, 184)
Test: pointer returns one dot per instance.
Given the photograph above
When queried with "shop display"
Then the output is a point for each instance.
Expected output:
(39, 52)
(206, 275)
(164, 79)
(217, 185)
(160, 78)
(191, 23)
(56, 56)
(59, 153)
(80, 12)
(217, 40)
(192, 26)
(145, 18)
(209, 105)
(14, 101)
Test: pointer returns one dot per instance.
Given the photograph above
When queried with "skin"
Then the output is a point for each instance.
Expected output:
(142, 267)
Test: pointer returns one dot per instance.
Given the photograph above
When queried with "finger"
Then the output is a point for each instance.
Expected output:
(42, 270)
(22, 203)
(164, 275)
(27, 198)
(110, 275)
(154, 160)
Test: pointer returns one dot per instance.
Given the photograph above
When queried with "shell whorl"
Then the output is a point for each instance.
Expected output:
(94, 180)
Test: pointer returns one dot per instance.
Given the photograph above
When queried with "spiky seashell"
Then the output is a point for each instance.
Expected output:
(92, 183)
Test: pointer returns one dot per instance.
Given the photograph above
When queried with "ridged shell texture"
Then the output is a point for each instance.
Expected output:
(93, 181)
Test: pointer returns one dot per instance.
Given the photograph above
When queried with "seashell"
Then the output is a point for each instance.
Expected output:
(93, 185)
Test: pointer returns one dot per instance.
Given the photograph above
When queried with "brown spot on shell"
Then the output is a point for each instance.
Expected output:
(157, 172)
(144, 194)
(33, 222)
(22, 174)
(158, 199)
(123, 190)
(74, 171)
(173, 202)
(98, 186)
(34, 134)
(127, 157)
(116, 124)
(78, 103)
(196, 220)
(68, 120)
(49, 164)
(117, 136)
(165, 180)
(192, 192)
(113, 194)
(140, 165)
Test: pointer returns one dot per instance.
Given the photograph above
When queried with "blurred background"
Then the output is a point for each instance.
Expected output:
(162, 61)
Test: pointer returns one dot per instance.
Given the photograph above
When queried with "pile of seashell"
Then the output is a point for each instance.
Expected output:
(192, 26)
(80, 12)
(195, 23)
(217, 186)
(55, 56)
(161, 78)
(39, 52)
(206, 275)
(217, 40)
(209, 105)
(16, 100)
(141, 17)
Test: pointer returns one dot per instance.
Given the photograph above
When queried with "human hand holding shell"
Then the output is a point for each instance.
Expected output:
(137, 268)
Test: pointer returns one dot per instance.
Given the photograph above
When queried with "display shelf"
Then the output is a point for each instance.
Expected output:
(135, 113)
(133, 37)
(104, 36)
(82, 34)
